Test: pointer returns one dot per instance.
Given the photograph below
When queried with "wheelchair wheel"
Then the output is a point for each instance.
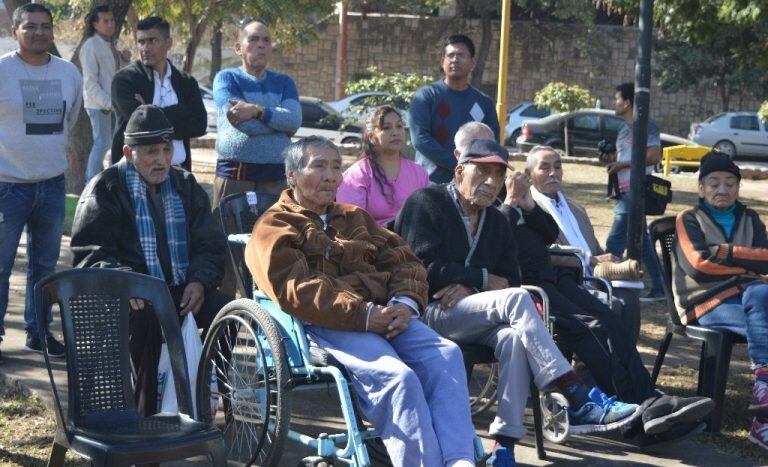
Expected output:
(482, 387)
(554, 413)
(244, 350)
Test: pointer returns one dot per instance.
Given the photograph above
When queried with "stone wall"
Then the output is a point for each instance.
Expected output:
(539, 54)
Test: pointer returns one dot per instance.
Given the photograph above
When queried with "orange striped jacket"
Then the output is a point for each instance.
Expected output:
(709, 267)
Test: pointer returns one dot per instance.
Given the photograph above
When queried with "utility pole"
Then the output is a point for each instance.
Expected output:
(636, 224)
(341, 52)
(501, 91)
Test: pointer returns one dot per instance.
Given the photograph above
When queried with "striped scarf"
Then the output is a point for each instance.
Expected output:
(175, 226)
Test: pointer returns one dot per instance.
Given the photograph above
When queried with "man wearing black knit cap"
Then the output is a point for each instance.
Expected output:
(146, 216)
(720, 266)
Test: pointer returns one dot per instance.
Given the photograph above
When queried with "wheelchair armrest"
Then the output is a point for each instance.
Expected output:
(568, 256)
(603, 284)
(544, 302)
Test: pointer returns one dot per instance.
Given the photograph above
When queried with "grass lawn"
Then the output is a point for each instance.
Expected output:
(26, 430)
(69, 213)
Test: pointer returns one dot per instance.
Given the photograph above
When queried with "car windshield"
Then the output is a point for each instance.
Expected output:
(713, 118)
(327, 108)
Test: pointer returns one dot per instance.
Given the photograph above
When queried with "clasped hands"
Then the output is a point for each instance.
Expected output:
(389, 321)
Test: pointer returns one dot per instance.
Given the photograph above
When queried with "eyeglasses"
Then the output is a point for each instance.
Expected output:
(457, 56)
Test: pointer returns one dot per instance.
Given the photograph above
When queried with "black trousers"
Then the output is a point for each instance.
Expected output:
(592, 331)
(146, 342)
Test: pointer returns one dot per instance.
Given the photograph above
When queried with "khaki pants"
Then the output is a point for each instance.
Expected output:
(507, 321)
(223, 187)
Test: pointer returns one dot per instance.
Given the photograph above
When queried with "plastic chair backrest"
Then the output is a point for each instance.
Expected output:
(95, 313)
(239, 212)
(663, 231)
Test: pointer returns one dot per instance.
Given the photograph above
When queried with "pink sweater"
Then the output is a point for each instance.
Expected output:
(360, 188)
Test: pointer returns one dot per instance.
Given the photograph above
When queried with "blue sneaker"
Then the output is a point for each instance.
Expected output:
(501, 457)
(601, 414)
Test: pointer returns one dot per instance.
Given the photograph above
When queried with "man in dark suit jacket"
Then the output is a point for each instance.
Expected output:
(153, 80)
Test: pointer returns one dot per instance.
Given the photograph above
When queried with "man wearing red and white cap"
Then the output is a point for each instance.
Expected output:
(470, 253)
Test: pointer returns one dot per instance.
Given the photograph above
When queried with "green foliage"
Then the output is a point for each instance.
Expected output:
(763, 112)
(563, 98)
(722, 41)
(290, 21)
(400, 86)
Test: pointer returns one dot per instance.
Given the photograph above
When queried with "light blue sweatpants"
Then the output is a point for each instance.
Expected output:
(412, 388)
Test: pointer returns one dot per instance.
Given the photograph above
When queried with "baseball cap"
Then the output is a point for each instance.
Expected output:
(485, 151)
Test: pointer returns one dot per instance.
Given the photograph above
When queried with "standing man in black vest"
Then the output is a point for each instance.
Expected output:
(154, 80)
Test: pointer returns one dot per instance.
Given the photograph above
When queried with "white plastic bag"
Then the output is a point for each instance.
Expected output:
(166, 390)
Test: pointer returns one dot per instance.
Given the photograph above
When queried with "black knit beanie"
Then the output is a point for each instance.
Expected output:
(715, 161)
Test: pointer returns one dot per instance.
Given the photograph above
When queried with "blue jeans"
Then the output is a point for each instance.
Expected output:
(101, 125)
(617, 241)
(39, 206)
(412, 388)
(747, 316)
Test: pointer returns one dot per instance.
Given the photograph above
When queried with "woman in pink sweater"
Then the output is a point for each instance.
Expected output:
(382, 179)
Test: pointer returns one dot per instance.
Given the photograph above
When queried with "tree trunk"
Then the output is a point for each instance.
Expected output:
(11, 5)
(132, 19)
(216, 40)
(725, 98)
(485, 45)
(80, 137)
(197, 28)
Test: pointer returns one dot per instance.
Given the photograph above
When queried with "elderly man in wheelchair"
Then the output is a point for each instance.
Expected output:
(359, 291)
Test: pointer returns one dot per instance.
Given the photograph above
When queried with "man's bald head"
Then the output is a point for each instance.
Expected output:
(245, 25)
(467, 133)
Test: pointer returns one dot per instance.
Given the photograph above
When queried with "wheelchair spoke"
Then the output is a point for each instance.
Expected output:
(245, 353)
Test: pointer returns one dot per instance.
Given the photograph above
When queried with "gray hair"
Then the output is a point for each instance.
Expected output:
(295, 153)
(532, 159)
(467, 133)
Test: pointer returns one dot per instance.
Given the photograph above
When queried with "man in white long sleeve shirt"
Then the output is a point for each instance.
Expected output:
(100, 60)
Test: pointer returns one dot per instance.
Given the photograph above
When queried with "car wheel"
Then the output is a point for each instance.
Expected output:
(726, 147)
(512, 139)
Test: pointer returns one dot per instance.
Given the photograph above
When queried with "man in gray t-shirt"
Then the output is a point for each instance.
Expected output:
(40, 97)
(616, 242)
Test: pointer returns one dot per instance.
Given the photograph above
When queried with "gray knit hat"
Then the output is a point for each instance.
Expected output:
(148, 125)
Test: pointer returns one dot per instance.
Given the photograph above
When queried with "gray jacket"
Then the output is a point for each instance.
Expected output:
(99, 66)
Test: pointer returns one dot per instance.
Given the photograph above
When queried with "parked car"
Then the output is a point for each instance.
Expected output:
(519, 115)
(210, 106)
(357, 106)
(586, 128)
(733, 133)
(319, 118)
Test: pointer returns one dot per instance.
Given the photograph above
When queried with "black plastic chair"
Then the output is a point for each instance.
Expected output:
(239, 212)
(716, 345)
(101, 421)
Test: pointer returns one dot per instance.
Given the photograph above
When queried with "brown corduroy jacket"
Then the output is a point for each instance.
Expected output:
(327, 273)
